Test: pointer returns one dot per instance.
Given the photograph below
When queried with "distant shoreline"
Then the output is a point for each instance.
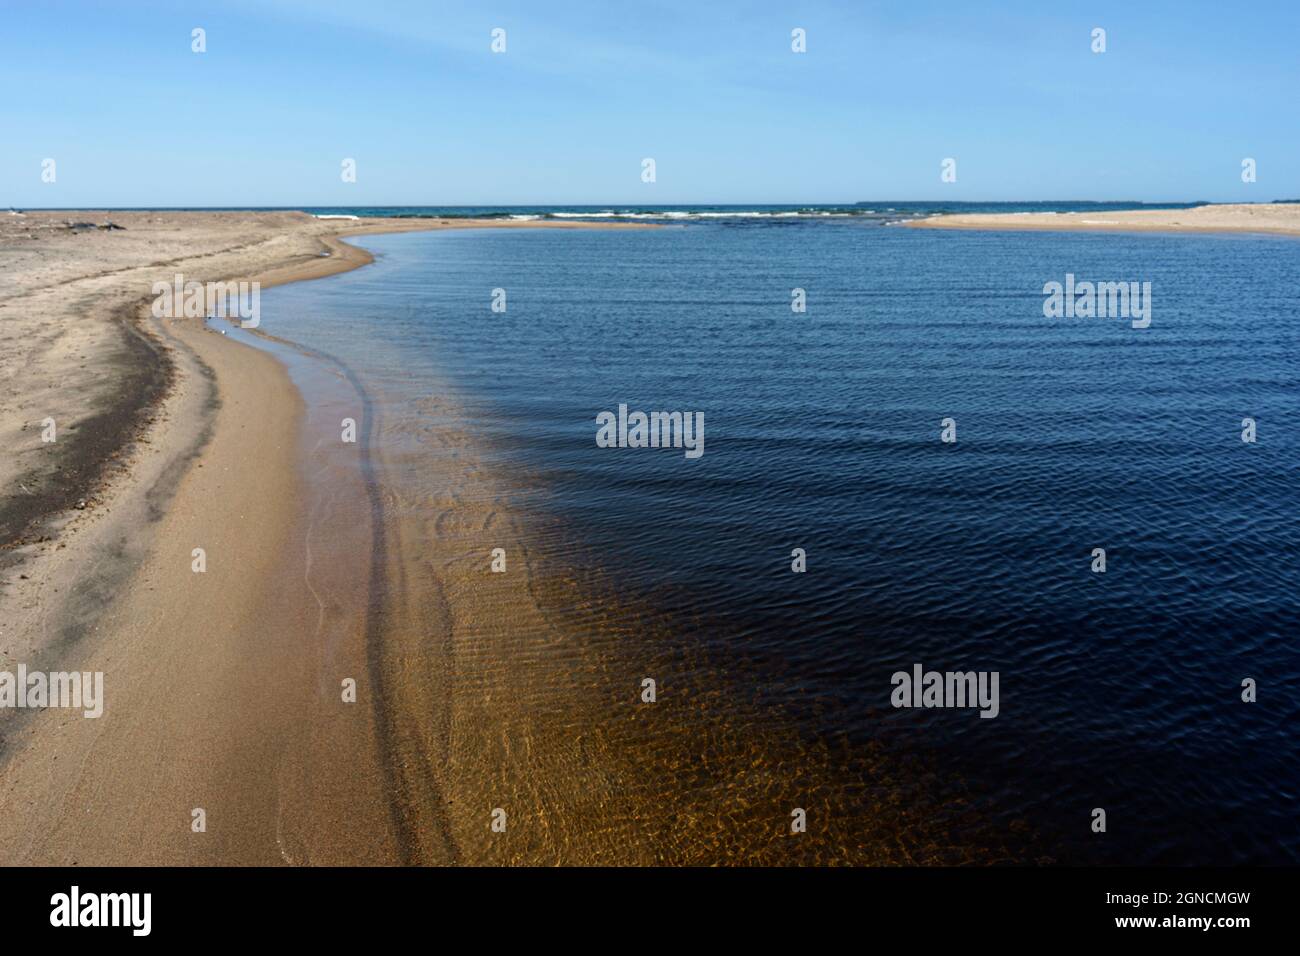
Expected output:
(1278, 218)
(883, 212)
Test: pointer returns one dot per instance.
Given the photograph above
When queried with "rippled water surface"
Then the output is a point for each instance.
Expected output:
(1119, 690)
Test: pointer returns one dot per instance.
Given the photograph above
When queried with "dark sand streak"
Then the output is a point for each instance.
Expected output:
(144, 372)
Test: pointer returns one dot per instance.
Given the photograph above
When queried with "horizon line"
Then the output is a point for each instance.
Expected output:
(665, 205)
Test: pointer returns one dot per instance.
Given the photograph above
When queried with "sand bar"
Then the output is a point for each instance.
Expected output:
(1277, 218)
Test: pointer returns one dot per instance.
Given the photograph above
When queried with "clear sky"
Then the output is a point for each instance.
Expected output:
(585, 90)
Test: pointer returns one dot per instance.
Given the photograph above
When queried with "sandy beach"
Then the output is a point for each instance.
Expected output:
(222, 689)
(169, 437)
(1279, 218)
(474, 690)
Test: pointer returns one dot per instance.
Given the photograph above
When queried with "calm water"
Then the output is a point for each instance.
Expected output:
(822, 431)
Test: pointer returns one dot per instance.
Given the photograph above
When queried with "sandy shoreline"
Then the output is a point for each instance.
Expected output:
(475, 690)
(171, 437)
(1275, 218)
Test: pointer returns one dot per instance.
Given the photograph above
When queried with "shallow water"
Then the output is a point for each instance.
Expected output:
(1118, 690)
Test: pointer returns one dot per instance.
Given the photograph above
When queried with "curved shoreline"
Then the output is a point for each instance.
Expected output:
(403, 811)
(223, 689)
(515, 690)
(205, 680)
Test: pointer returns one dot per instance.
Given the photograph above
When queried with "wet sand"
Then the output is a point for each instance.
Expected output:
(1279, 218)
(221, 693)
(475, 690)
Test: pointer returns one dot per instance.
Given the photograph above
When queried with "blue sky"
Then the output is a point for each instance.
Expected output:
(586, 90)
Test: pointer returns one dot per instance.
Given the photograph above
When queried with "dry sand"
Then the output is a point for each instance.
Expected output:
(172, 437)
(1280, 218)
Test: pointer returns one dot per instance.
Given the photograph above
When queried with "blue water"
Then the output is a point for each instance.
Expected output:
(1119, 690)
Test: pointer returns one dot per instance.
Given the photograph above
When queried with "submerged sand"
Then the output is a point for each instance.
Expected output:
(1278, 218)
(476, 691)
(170, 436)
